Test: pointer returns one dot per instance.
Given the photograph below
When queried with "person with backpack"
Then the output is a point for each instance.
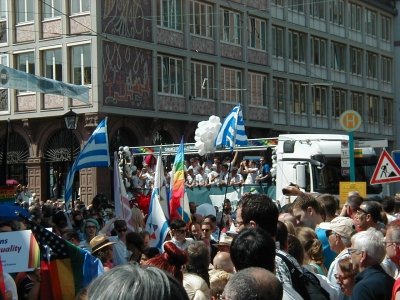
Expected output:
(259, 211)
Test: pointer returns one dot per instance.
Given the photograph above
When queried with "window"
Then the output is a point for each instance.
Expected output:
(318, 98)
(355, 17)
(387, 111)
(357, 100)
(296, 5)
(170, 75)
(373, 109)
(277, 41)
(338, 57)
(338, 102)
(386, 28)
(79, 6)
(318, 51)
(298, 96)
(51, 9)
(356, 61)
(170, 14)
(297, 46)
(386, 69)
(257, 33)
(26, 63)
(232, 85)
(3, 21)
(317, 9)
(278, 91)
(372, 65)
(336, 12)
(25, 10)
(231, 26)
(201, 19)
(202, 80)
(4, 101)
(81, 64)
(371, 22)
(258, 89)
(52, 64)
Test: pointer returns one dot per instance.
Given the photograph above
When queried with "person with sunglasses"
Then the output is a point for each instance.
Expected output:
(120, 253)
(178, 234)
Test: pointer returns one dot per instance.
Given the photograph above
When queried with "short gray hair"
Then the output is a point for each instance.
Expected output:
(253, 284)
(130, 281)
(370, 241)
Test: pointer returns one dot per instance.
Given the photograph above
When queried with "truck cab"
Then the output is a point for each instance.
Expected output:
(313, 162)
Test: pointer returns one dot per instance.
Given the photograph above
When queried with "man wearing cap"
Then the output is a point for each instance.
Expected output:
(339, 232)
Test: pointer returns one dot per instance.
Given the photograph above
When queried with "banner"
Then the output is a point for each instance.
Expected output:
(216, 195)
(19, 251)
(19, 80)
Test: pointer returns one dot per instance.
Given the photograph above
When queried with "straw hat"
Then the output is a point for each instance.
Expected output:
(99, 242)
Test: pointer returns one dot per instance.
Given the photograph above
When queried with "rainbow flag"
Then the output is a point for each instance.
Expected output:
(65, 268)
(176, 203)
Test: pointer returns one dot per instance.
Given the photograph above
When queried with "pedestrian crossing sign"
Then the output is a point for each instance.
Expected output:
(386, 170)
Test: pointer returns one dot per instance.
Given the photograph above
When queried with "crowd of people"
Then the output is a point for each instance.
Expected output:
(215, 172)
(309, 249)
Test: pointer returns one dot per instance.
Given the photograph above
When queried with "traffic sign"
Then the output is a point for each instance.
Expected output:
(386, 170)
(350, 120)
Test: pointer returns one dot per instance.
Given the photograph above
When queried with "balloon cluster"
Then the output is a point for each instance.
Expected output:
(205, 135)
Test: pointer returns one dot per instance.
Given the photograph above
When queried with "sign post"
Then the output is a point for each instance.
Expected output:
(351, 121)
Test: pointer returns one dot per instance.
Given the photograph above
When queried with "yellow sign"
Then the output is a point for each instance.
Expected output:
(346, 187)
(350, 120)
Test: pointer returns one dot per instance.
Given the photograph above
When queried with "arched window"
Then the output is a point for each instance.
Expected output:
(58, 161)
(17, 157)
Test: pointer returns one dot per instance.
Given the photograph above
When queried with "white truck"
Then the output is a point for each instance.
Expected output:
(313, 162)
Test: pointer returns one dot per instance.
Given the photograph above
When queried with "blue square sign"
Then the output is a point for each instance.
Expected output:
(396, 157)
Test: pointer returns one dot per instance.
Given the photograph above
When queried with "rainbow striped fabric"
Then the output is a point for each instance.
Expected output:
(65, 268)
(177, 184)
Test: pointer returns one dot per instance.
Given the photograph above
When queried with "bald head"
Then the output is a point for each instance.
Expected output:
(255, 284)
(222, 261)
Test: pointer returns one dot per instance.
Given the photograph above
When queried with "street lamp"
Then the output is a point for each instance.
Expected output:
(71, 122)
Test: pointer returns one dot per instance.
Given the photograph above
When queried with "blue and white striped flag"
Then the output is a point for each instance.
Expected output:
(232, 132)
(94, 154)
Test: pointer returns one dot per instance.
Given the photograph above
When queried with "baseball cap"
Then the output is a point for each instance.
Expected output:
(343, 226)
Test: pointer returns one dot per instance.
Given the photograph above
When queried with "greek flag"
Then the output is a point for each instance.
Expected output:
(232, 132)
(94, 154)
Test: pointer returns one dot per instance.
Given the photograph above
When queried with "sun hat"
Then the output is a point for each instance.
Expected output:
(99, 242)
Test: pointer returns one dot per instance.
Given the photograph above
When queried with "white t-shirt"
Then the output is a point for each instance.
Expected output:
(251, 176)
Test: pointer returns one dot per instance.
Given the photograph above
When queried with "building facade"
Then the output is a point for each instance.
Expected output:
(156, 68)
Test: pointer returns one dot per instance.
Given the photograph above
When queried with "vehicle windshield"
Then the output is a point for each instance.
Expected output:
(326, 179)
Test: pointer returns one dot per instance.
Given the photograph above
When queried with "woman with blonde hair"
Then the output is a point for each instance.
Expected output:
(137, 219)
(313, 251)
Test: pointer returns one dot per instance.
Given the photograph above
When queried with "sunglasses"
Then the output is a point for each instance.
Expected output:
(205, 230)
(122, 230)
